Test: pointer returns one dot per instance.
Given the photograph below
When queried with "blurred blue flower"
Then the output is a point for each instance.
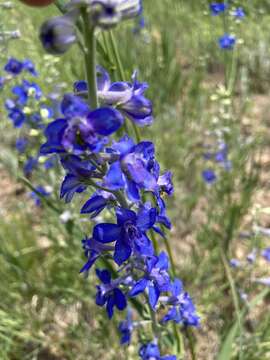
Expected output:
(21, 144)
(266, 254)
(42, 192)
(217, 8)
(227, 42)
(109, 294)
(151, 352)
(209, 176)
(239, 13)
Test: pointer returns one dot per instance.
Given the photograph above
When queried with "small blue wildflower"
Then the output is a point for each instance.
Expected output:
(151, 352)
(30, 67)
(129, 233)
(58, 34)
(234, 263)
(209, 176)
(239, 13)
(125, 328)
(227, 42)
(266, 254)
(93, 250)
(251, 257)
(127, 97)
(109, 294)
(30, 164)
(17, 116)
(42, 192)
(14, 66)
(97, 202)
(183, 310)
(217, 8)
(156, 279)
(21, 144)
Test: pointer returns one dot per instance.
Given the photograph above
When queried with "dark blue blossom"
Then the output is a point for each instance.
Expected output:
(97, 202)
(58, 34)
(151, 352)
(239, 13)
(93, 250)
(30, 67)
(81, 129)
(129, 233)
(183, 310)
(21, 144)
(136, 168)
(109, 294)
(14, 66)
(125, 96)
(30, 164)
(209, 176)
(227, 42)
(155, 280)
(217, 8)
(17, 116)
(126, 328)
(71, 185)
(266, 254)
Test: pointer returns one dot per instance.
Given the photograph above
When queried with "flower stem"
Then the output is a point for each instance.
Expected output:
(90, 59)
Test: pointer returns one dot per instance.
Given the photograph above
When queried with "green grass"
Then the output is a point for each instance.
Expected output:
(47, 309)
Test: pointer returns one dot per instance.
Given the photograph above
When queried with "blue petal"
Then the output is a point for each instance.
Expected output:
(123, 215)
(176, 287)
(153, 295)
(163, 261)
(109, 307)
(139, 287)
(122, 252)
(104, 276)
(119, 299)
(146, 218)
(95, 204)
(70, 186)
(114, 179)
(133, 192)
(105, 121)
(106, 232)
(54, 133)
(90, 262)
(74, 106)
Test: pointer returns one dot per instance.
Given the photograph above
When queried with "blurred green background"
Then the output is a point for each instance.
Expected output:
(47, 309)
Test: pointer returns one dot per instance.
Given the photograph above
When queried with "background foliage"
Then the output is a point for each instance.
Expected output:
(46, 309)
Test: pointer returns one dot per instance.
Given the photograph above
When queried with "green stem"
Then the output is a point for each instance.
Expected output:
(234, 297)
(90, 59)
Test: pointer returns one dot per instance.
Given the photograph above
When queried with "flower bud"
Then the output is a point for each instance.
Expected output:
(58, 34)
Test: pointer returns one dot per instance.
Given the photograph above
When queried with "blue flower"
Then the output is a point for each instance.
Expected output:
(30, 164)
(129, 233)
(136, 168)
(97, 202)
(58, 34)
(127, 97)
(151, 352)
(234, 263)
(42, 193)
(183, 310)
(109, 294)
(17, 116)
(93, 250)
(156, 279)
(239, 13)
(30, 67)
(81, 129)
(266, 254)
(14, 66)
(209, 176)
(108, 13)
(71, 185)
(227, 42)
(21, 144)
(125, 328)
(217, 8)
